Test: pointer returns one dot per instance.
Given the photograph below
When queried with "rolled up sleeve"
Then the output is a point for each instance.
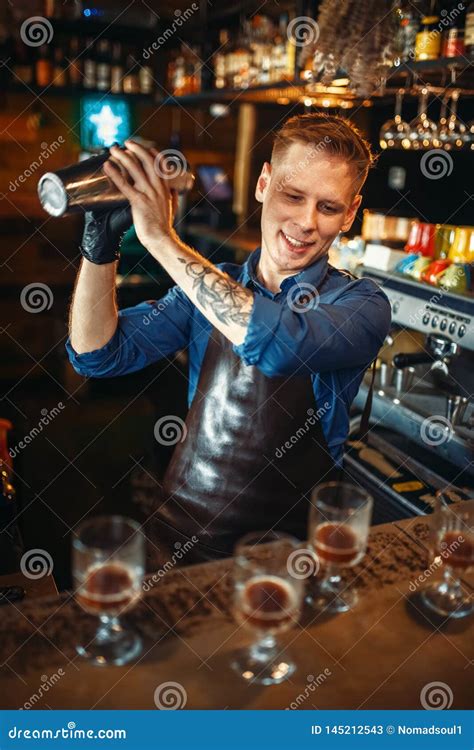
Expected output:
(145, 333)
(347, 332)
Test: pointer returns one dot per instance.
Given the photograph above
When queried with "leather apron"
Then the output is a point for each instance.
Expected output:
(253, 451)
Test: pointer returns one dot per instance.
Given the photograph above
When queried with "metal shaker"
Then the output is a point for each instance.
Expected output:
(85, 187)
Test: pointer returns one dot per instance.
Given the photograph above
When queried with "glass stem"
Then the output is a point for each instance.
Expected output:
(423, 103)
(454, 104)
(398, 105)
(108, 625)
(264, 649)
(450, 585)
(332, 575)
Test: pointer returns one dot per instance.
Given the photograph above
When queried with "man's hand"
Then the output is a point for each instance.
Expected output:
(224, 302)
(152, 202)
(103, 233)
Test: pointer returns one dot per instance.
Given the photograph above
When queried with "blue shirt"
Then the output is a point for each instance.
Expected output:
(333, 340)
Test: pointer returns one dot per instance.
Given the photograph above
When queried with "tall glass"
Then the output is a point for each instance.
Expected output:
(339, 524)
(452, 546)
(268, 596)
(108, 568)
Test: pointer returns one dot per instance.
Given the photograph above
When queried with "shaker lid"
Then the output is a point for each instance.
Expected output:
(52, 194)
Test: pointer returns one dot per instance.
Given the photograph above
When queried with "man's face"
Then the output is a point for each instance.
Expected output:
(308, 198)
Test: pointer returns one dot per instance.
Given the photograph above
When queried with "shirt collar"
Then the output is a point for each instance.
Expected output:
(312, 274)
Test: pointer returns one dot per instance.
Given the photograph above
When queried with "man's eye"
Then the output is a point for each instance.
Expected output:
(329, 209)
(292, 197)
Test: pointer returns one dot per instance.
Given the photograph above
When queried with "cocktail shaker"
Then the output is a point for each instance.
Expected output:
(85, 187)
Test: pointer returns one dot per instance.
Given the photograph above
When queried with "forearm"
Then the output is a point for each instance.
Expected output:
(224, 302)
(93, 314)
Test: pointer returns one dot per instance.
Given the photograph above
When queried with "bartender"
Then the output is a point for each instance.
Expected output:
(277, 346)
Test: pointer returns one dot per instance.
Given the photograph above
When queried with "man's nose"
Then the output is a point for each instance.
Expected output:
(307, 219)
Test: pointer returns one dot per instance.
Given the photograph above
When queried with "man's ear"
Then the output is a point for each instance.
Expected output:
(263, 182)
(349, 220)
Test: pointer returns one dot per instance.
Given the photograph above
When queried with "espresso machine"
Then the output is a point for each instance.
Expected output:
(421, 436)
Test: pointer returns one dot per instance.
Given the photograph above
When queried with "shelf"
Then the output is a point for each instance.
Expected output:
(216, 95)
(292, 89)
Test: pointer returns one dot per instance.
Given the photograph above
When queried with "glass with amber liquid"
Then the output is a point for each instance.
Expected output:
(268, 598)
(339, 522)
(108, 568)
(452, 547)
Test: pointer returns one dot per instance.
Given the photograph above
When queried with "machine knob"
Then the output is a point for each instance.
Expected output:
(443, 324)
(426, 318)
(435, 321)
(396, 307)
(461, 331)
(452, 327)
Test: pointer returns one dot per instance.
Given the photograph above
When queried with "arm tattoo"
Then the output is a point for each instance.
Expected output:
(228, 300)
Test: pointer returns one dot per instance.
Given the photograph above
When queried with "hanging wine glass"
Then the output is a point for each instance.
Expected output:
(395, 132)
(469, 142)
(423, 131)
(456, 130)
(443, 130)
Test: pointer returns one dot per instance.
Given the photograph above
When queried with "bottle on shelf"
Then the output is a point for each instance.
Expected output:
(75, 67)
(131, 83)
(261, 54)
(44, 66)
(220, 60)
(90, 65)
(116, 70)
(469, 32)
(145, 78)
(67, 9)
(283, 52)
(240, 59)
(179, 75)
(103, 66)
(23, 69)
(452, 44)
(428, 38)
(60, 76)
(184, 72)
(408, 18)
(193, 71)
(290, 51)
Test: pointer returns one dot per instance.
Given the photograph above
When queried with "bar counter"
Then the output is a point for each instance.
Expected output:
(383, 653)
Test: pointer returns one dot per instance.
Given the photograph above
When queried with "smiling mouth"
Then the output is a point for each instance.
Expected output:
(294, 243)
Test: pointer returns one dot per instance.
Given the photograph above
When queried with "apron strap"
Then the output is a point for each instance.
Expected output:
(364, 422)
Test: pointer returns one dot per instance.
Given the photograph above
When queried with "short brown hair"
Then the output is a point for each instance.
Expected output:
(336, 135)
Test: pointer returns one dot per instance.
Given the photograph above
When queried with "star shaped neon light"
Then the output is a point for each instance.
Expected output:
(107, 125)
